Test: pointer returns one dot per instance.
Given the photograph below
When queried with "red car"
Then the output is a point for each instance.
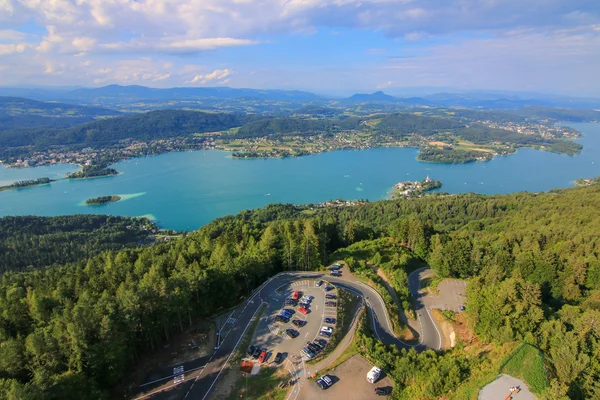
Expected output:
(303, 310)
(262, 357)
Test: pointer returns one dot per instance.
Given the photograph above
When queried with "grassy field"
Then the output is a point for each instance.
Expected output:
(527, 363)
(263, 386)
(521, 361)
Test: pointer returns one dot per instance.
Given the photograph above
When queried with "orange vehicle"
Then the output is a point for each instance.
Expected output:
(296, 295)
(262, 357)
(303, 310)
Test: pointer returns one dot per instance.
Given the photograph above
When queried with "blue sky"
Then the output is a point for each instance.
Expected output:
(325, 46)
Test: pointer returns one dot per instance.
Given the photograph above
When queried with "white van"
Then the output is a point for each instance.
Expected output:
(373, 375)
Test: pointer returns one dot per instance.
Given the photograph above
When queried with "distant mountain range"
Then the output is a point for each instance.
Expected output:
(116, 94)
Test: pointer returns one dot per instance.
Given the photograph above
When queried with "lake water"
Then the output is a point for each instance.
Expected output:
(189, 189)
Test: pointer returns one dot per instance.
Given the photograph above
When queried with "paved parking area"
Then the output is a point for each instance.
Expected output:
(451, 296)
(270, 334)
(500, 389)
(349, 383)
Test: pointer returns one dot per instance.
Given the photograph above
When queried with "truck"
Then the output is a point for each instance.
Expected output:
(373, 375)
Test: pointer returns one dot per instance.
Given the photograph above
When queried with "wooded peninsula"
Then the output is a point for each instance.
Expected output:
(27, 183)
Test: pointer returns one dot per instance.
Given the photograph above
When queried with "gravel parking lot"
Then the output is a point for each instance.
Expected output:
(349, 383)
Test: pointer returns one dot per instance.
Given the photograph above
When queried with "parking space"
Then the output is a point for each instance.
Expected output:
(349, 383)
(451, 296)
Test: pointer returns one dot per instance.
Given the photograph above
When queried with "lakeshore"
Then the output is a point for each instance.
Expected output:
(188, 189)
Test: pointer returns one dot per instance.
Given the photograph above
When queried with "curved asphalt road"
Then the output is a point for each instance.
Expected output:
(199, 384)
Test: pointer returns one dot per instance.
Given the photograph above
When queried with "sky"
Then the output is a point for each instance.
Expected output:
(324, 46)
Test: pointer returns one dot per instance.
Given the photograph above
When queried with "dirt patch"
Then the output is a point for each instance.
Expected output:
(462, 330)
(448, 334)
(439, 144)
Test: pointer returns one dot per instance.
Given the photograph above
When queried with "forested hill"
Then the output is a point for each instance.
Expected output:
(43, 241)
(76, 331)
(21, 114)
(148, 126)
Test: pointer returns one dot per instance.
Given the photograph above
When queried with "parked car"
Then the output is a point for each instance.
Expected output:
(251, 350)
(278, 358)
(288, 311)
(321, 384)
(282, 318)
(307, 352)
(299, 323)
(462, 308)
(318, 283)
(327, 380)
(330, 320)
(305, 303)
(303, 310)
(383, 391)
(330, 303)
(257, 352)
(291, 302)
(330, 296)
(313, 348)
(335, 267)
(292, 333)
(329, 287)
(336, 273)
(262, 357)
(322, 342)
(325, 334)
(327, 329)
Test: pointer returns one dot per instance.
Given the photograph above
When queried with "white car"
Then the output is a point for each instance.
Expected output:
(327, 329)
(327, 380)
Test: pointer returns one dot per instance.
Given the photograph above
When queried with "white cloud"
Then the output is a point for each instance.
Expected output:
(12, 35)
(83, 43)
(6, 49)
(216, 75)
(176, 46)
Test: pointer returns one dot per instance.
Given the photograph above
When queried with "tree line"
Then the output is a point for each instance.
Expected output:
(75, 330)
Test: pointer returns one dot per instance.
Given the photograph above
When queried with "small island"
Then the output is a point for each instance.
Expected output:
(408, 189)
(27, 183)
(92, 171)
(102, 200)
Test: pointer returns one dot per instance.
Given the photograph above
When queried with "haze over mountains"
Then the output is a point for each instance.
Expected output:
(117, 94)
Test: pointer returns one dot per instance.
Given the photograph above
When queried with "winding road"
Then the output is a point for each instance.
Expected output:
(199, 383)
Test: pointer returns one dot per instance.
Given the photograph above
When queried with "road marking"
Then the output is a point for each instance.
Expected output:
(171, 376)
(231, 354)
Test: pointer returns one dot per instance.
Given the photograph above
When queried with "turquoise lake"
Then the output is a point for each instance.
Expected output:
(187, 190)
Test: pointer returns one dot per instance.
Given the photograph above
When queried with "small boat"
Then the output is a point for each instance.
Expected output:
(267, 194)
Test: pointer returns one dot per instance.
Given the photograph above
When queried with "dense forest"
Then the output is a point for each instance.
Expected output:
(448, 154)
(403, 124)
(42, 241)
(288, 126)
(74, 331)
(162, 124)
